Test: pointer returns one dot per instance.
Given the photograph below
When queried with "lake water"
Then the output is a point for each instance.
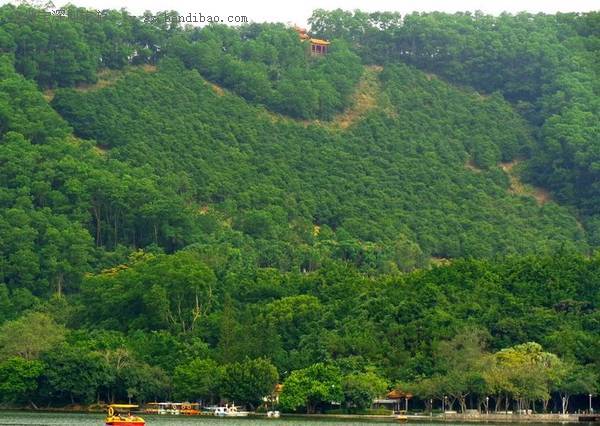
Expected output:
(84, 419)
(64, 419)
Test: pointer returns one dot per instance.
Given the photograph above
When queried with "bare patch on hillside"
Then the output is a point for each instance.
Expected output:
(517, 187)
(216, 88)
(439, 261)
(100, 150)
(49, 95)
(96, 149)
(108, 77)
(470, 165)
(149, 68)
(364, 99)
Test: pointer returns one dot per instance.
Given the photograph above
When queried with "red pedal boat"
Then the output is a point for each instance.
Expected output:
(116, 417)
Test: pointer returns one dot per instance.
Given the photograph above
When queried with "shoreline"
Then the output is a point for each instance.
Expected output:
(454, 418)
(438, 418)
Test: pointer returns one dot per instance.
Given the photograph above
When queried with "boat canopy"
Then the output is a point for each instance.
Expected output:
(123, 406)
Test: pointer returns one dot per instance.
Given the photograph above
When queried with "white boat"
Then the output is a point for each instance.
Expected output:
(230, 411)
(164, 408)
(273, 414)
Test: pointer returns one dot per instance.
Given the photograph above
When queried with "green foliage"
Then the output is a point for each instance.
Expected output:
(56, 191)
(76, 373)
(19, 378)
(49, 49)
(528, 372)
(145, 382)
(198, 380)
(370, 194)
(525, 373)
(270, 65)
(24, 110)
(250, 381)
(166, 350)
(67, 50)
(361, 389)
(197, 242)
(545, 64)
(395, 325)
(311, 386)
(575, 380)
(29, 336)
(170, 292)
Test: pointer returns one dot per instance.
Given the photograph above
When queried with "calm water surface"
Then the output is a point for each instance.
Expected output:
(55, 419)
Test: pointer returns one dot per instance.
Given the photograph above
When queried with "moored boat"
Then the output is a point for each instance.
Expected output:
(173, 408)
(116, 416)
(230, 411)
(163, 408)
(190, 409)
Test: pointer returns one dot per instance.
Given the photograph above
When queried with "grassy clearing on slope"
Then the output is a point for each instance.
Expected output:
(470, 165)
(517, 187)
(106, 77)
(364, 99)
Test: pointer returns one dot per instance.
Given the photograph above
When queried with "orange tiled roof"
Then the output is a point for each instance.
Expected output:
(319, 41)
(397, 394)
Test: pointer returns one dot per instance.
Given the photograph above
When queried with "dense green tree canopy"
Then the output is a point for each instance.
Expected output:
(378, 185)
(249, 381)
(546, 64)
(311, 386)
(360, 389)
(200, 213)
(18, 378)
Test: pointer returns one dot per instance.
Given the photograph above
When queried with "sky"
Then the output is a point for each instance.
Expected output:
(298, 11)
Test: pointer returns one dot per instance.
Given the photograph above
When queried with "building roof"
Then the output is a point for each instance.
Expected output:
(397, 394)
(303, 34)
(319, 41)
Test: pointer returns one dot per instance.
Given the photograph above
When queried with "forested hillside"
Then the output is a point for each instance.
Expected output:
(397, 177)
(546, 65)
(182, 200)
